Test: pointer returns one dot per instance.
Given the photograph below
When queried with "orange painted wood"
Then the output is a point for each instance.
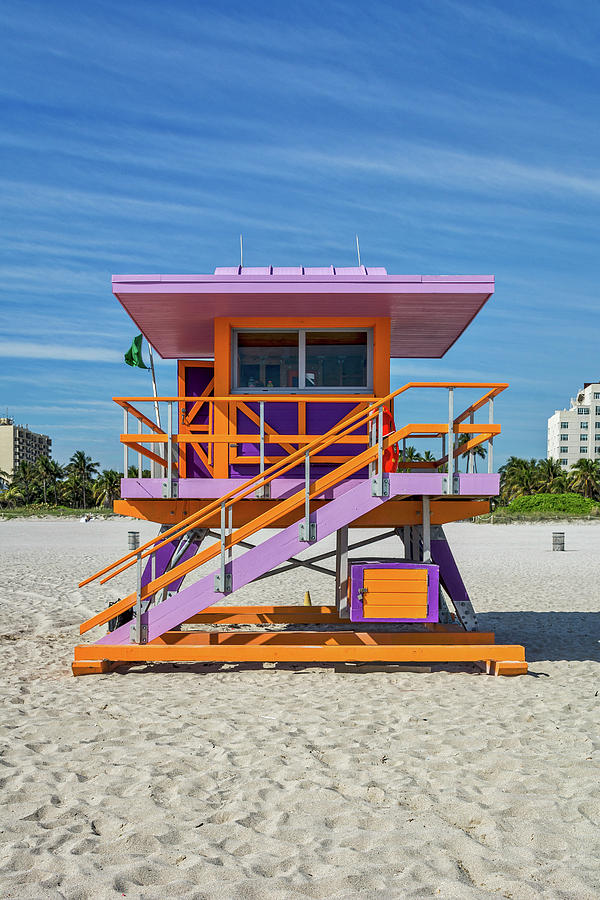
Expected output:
(289, 462)
(266, 615)
(109, 613)
(388, 515)
(379, 611)
(396, 579)
(346, 638)
(306, 652)
(92, 667)
(221, 420)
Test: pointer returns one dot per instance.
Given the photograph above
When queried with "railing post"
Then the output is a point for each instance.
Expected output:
(471, 457)
(223, 579)
(307, 530)
(125, 446)
(380, 487)
(169, 472)
(140, 462)
(138, 632)
(491, 440)
(426, 530)
(264, 491)
(450, 467)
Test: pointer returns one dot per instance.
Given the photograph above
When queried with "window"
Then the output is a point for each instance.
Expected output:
(583, 449)
(596, 449)
(596, 396)
(584, 424)
(564, 424)
(328, 359)
(583, 410)
(563, 462)
(564, 437)
(583, 437)
(598, 410)
(564, 449)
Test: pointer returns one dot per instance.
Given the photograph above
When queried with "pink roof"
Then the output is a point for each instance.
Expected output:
(176, 312)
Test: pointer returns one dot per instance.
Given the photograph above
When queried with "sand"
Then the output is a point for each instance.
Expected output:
(316, 782)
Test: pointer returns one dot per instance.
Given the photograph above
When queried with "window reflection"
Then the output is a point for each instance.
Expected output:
(267, 359)
(336, 359)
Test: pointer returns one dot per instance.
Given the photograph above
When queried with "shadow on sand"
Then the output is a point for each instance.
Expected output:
(547, 636)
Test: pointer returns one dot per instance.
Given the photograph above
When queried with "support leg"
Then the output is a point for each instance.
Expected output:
(451, 579)
(341, 573)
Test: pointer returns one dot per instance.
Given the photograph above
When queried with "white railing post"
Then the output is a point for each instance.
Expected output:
(491, 440)
(138, 632)
(379, 486)
(307, 530)
(450, 466)
(471, 457)
(140, 460)
(426, 530)
(169, 472)
(223, 578)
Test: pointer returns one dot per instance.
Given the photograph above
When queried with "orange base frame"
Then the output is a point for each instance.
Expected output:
(438, 644)
(392, 514)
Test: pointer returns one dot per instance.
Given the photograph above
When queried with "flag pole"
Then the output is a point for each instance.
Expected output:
(156, 409)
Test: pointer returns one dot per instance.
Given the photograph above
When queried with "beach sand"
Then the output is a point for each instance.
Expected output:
(302, 781)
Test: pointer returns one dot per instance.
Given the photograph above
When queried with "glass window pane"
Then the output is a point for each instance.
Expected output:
(336, 359)
(267, 359)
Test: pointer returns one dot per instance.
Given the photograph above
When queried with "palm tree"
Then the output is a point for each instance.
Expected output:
(518, 477)
(107, 487)
(477, 451)
(43, 469)
(133, 472)
(584, 477)
(55, 474)
(24, 479)
(428, 456)
(550, 477)
(84, 469)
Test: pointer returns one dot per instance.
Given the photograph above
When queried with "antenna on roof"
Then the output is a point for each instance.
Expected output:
(241, 252)
(358, 250)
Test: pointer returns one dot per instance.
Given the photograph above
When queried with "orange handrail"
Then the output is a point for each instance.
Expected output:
(334, 435)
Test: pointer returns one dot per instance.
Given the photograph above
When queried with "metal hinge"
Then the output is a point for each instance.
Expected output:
(380, 487)
(174, 489)
(312, 532)
(143, 633)
(227, 587)
(450, 486)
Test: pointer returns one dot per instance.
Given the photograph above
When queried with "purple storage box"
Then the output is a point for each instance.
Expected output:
(357, 568)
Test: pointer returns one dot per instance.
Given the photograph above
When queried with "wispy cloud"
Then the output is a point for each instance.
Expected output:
(59, 352)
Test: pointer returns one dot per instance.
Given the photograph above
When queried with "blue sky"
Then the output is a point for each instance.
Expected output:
(454, 136)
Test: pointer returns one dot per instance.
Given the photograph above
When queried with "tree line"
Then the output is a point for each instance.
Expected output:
(523, 477)
(79, 484)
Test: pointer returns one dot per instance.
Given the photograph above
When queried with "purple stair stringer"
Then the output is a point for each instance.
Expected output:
(277, 549)
(451, 579)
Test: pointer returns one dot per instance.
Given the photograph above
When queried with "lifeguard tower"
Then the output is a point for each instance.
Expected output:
(283, 419)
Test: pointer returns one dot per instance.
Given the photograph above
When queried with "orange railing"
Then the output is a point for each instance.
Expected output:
(371, 417)
(167, 450)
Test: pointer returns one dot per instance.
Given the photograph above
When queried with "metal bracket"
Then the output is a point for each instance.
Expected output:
(380, 487)
(263, 492)
(312, 532)
(143, 633)
(227, 587)
(450, 487)
(174, 489)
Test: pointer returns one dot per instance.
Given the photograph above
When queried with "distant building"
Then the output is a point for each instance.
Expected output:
(575, 433)
(18, 443)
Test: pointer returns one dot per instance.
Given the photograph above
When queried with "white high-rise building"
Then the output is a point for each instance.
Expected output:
(575, 433)
(18, 444)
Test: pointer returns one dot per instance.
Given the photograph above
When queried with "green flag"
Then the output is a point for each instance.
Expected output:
(134, 357)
